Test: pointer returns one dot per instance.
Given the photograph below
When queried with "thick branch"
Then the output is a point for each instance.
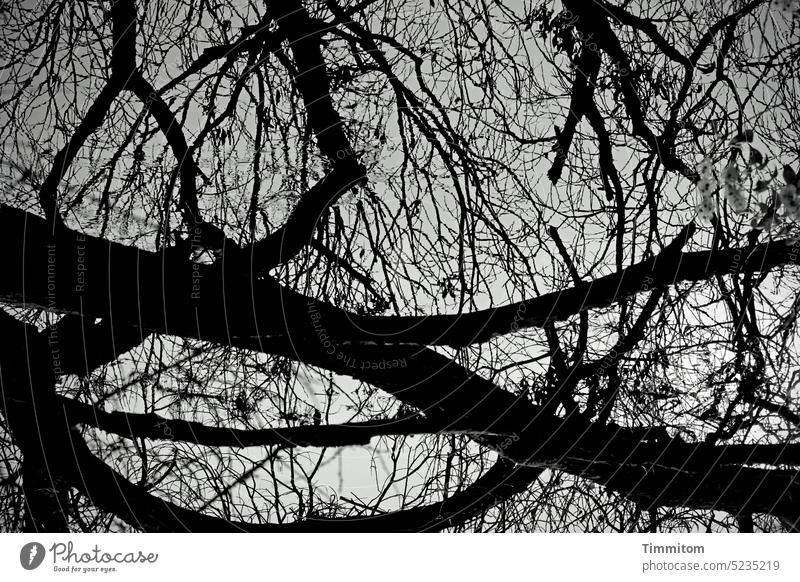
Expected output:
(158, 292)
(152, 426)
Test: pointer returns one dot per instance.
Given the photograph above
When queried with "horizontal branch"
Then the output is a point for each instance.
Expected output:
(226, 302)
(153, 426)
(84, 345)
(446, 392)
(29, 402)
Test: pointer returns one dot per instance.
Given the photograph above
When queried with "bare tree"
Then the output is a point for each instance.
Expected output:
(391, 266)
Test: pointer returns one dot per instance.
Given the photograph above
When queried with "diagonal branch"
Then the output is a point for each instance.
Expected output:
(123, 63)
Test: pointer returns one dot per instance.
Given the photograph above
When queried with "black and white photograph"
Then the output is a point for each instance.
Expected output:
(392, 267)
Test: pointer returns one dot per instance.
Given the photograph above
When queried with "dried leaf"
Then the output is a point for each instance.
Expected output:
(756, 157)
(743, 136)
(789, 175)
